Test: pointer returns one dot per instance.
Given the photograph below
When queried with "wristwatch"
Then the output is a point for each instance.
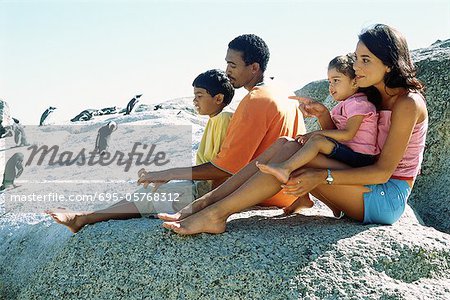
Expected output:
(329, 178)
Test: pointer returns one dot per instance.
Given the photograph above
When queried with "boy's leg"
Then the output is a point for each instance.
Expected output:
(315, 145)
(122, 210)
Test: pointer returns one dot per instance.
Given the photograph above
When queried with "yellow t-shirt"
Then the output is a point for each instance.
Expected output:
(213, 136)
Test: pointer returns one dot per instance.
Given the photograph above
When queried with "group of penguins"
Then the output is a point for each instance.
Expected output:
(14, 165)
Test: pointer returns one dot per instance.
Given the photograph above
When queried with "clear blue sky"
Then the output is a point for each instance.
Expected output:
(92, 54)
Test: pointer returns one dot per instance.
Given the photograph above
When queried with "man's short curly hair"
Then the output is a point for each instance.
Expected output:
(215, 82)
(254, 49)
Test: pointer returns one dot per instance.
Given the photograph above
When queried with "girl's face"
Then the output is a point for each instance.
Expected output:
(369, 69)
(341, 86)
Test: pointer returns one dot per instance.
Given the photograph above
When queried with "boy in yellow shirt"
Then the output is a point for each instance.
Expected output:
(213, 91)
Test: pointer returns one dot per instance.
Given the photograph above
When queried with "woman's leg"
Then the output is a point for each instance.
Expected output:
(233, 183)
(122, 210)
(347, 198)
(212, 219)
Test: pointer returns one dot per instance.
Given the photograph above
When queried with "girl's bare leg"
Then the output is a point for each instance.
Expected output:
(232, 184)
(122, 210)
(212, 219)
(315, 145)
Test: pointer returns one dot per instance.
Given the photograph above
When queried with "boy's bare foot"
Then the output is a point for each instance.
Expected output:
(274, 169)
(201, 222)
(190, 209)
(298, 205)
(72, 221)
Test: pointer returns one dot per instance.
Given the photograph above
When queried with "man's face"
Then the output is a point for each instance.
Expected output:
(237, 71)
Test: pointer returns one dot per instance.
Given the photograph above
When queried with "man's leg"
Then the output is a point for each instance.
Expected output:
(233, 183)
(259, 187)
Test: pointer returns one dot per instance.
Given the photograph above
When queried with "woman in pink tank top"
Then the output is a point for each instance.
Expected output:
(373, 194)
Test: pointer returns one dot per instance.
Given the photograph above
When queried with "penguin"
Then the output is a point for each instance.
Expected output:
(104, 133)
(46, 113)
(13, 169)
(132, 103)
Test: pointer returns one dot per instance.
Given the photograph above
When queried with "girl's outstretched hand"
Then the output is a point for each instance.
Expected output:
(309, 107)
(304, 181)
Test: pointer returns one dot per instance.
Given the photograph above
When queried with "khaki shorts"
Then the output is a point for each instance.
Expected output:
(171, 197)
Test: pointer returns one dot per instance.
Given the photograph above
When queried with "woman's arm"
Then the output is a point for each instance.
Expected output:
(405, 114)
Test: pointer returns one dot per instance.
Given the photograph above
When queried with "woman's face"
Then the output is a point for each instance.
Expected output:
(369, 69)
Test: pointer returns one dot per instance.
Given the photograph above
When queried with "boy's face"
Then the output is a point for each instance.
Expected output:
(205, 103)
(238, 73)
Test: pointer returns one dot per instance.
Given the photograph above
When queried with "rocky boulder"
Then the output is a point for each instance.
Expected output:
(262, 256)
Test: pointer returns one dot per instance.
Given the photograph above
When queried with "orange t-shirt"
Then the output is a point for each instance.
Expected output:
(260, 119)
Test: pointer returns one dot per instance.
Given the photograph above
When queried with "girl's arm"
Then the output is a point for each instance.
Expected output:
(346, 134)
(325, 121)
(405, 114)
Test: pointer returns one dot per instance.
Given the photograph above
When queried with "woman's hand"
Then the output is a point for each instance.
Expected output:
(304, 181)
(157, 178)
(310, 107)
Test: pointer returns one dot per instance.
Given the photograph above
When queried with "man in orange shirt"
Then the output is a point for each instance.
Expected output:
(260, 119)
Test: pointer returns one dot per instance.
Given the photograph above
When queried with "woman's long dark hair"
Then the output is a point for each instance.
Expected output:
(391, 48)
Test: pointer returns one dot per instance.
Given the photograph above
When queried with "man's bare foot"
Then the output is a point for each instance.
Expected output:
(274, 169)
(298, 205)
(202, 222)
(190, 209)
(72, 221)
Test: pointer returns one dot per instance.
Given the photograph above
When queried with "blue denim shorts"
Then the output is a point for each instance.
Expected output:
(386, 202)
(346, 155)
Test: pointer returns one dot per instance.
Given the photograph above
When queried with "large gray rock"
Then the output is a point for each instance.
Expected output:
(430, 196)
(262, 256)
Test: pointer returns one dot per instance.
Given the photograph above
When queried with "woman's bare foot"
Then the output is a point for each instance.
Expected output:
(202, 222)
(72, 221)
(298, 205)
(190, 209)
(276, 170)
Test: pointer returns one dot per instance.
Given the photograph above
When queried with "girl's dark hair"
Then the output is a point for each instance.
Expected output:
(390, 46)
(344, 64)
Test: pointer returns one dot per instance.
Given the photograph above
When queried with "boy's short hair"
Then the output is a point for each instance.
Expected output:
(215, 82)
(253, 48)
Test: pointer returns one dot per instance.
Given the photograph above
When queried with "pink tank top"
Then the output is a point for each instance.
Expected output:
(409, 165)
